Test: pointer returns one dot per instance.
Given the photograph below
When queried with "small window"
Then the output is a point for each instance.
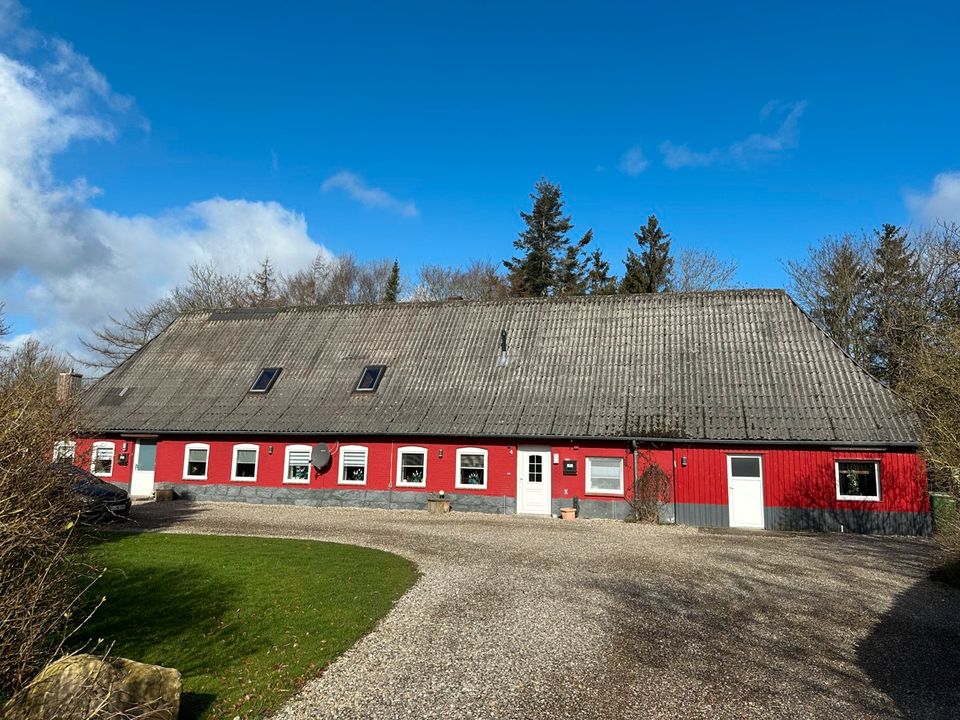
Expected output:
(353, 465)
(64, 451)
(412, 467)
(265, 380)
(102, 459)
(858, 480)
(744, 466)
(245, 463)
(297, 464)
(370, 378)
(195, 458)
(605, 475)
(471, 468)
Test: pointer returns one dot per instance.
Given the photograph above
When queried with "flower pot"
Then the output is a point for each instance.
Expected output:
(438, 505)
(568, 513)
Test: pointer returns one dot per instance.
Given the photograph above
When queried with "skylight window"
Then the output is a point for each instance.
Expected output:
(265, 380)
(371, 377)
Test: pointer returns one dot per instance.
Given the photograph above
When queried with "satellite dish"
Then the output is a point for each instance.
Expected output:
(320, 456)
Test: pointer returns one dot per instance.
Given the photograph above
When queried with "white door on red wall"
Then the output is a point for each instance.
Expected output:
(533, 480)
(745, 490)
(144, 464)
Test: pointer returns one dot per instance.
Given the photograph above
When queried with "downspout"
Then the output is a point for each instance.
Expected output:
(636, 478)
(393, 455)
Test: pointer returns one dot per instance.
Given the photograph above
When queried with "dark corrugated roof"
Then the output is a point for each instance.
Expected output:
(720, 366)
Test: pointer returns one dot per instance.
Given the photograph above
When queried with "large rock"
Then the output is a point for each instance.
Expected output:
(82, 687)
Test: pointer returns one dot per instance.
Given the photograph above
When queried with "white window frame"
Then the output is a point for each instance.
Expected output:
(64, 444)
(588, 490)
(93, 457)
(486, 469)
(858, 498)
(411, 449)
(286, 464)
(366, 464)
(186, 460)
(256, 462)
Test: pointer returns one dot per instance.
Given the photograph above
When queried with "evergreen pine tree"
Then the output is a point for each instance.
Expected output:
(534, 271)
(894, 295)
(264, 291)
(650, 270)
(599, 281)
(572, 267)
(392, 290)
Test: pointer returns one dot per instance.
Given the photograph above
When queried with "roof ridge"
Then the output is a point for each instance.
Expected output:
(240, 312)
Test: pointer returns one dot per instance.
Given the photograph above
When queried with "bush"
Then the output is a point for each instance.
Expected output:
(653, 487)
(39, 576)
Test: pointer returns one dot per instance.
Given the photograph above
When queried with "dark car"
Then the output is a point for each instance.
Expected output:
(102, 501)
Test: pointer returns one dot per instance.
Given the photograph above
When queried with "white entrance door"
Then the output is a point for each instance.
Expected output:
(144, 462)
(745, 487)
(533, 480)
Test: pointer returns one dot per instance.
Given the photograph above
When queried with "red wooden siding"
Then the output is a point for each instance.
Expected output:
(802, 478)
(381, 463)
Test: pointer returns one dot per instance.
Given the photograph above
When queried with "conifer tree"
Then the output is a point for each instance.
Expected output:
(391, 292)
(264, 289)
(894, 295)
(650, 270)
(572, 267)
(599, 281)
(534, 272)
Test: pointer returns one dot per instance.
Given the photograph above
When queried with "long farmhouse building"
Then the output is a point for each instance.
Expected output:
(756, 417)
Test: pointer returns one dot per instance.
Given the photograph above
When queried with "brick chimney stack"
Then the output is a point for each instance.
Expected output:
(68, 385)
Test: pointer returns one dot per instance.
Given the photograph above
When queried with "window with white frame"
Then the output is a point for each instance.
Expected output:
(471, 468)
(196, 457)
(101, 459)
(245, 463)
(858, 479)
(353, 465)
(604, 476)
(412, 467)
(296, 464)
(64, 451)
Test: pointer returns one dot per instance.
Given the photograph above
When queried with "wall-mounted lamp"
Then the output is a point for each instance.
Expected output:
(124, 447)
(440, 453)
(270, 450)
(683, 461)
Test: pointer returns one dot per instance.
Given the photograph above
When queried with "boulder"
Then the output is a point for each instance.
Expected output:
(81, 687)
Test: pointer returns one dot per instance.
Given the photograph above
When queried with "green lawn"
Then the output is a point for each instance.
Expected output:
(245, 620)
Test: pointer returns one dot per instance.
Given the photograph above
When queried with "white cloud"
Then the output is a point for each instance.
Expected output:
(67, 265)
(941, 203)
(749, 151)
(373, 197)
(633, 162)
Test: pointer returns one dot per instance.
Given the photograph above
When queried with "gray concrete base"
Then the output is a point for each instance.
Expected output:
(856, 521)
(613, 509)
(830, 520)
(338, 497)
(702, 515)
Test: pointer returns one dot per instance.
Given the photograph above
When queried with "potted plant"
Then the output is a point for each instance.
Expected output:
(568, 513)
(438, 503)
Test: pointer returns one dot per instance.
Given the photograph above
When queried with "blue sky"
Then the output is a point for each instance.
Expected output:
(416, 131)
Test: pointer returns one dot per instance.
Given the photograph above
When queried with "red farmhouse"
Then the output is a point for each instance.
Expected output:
(518, 406)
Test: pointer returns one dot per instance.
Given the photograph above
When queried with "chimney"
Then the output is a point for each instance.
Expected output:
(68, 385)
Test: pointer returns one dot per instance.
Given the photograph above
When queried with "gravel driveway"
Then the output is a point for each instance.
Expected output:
(536, 618)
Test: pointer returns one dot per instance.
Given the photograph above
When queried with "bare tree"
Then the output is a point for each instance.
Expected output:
(206, 289)
(477, 281)
(38, 571)
(696, 270)
(831, 285)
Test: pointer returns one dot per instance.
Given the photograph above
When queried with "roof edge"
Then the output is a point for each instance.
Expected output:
(501, 436)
